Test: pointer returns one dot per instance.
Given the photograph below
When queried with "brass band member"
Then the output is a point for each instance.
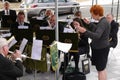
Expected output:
(7, 11)
(8, 69)
(113, 31)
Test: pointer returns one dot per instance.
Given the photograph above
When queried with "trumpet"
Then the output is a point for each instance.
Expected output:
(22, 55)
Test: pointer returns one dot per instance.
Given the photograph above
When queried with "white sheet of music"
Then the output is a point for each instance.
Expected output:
(6, 35)
(22, 27)
(65, 47)
(45, 28)
(68, 30)
(23, 44)
(11, 42)
(36, 49)
(39, 18)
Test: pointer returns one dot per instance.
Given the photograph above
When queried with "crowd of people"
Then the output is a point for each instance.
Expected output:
(103, 35)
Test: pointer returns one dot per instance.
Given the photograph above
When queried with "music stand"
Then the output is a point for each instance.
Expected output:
(24, 33)
(7, 20)
(70, 38)
(48, 36)
(61, 25)
(34, 21)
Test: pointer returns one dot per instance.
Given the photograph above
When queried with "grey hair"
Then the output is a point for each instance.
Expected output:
(6, 2)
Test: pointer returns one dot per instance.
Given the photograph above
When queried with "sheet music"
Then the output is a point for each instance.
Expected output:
(22, 27)
(6, 35)
(11, 42)
(23, 44)
(68, 30)
(45, 28)
(39, 18)
(36, 49)
(65, 47)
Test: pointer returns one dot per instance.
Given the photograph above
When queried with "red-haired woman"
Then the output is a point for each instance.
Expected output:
(99, 34)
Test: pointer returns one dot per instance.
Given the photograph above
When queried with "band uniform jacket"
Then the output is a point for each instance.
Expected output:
(113, 34)
(11, 13)
(10, 70)
(15, 30)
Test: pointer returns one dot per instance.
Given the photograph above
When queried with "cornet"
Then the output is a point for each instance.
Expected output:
(22, 55)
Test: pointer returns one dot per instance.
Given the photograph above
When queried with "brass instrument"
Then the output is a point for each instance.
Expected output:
(22, 55)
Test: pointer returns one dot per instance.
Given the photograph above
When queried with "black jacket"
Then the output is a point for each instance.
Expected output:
(5, 21)
(22, 33)
(113, 34)
(10, 70)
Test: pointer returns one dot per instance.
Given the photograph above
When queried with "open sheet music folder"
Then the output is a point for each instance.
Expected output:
(48, 36)
(34, 22)
(62, 25)
(69, 38)
(23, 33)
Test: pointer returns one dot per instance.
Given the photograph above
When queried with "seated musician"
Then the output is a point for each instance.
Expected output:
(83, 45)
(48, 14)
(6, 11)
(9, 70)
(51, 21)
(19, 24)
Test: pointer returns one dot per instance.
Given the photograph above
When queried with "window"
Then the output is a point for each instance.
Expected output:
(61, 0)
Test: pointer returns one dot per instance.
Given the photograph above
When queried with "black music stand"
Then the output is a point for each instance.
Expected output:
(23, 33)
(70, 38)
(48, 36)
(7, 20)
(34, 21)
(61, 25)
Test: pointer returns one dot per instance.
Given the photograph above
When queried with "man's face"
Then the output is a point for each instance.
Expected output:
(5, 49)
(48, 13)
(6, 6)
(109, 18)
(21, 18)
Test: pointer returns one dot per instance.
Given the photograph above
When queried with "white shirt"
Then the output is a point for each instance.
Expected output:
(7, 12)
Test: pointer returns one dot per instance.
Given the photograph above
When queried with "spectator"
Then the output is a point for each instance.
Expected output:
(100, 40)
(9, 70)
(114, 30)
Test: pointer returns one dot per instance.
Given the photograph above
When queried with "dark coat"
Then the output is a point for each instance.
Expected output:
(10, 70)
(83, 45)
(21, 33)
(7, 21)
(113, 34)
